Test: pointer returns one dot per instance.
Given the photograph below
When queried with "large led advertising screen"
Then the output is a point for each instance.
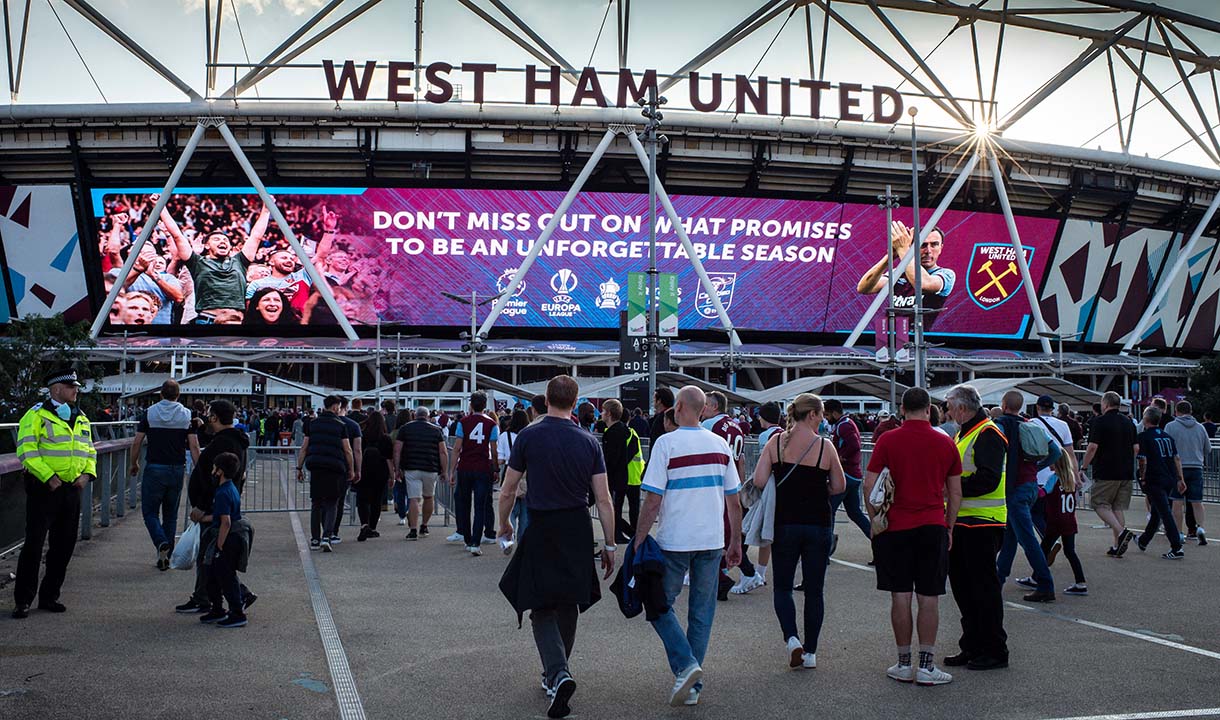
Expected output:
(388, 254)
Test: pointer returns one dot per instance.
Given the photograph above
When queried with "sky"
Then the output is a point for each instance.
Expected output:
(664, 35)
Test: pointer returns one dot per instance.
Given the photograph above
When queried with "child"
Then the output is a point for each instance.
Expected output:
(222, 580)
(1061, 522)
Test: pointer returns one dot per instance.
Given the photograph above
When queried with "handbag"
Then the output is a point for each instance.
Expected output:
(881, 521)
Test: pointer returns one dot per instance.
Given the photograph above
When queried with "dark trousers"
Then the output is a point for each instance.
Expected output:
(1191, 524)
(625, 529)
(369, 500)
(808, 545)
(322, 517)
(1158, 500)
(474, 498)
(976, 590)
(1069, 551)
(340, 506)
(202, 574)
(222, 580)
(555, 634)
(52, 518)
(746, 567)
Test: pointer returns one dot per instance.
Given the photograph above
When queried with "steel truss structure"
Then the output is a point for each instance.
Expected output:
(493, 144)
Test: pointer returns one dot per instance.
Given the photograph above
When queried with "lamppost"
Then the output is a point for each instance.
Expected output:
(1140, 352)
(889, 202)
(474, 344)
(1060, 337)
(921, 360)
(653, 342)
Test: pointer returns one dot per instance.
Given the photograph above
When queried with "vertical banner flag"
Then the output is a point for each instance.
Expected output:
(637, 304)
(667, 305)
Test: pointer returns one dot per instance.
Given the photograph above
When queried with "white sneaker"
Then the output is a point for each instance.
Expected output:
(795, 651)
(325, 546)
(932, 676)
(488, 541)
(684, 684)
(455, 537)
(901, 673)
(402, 521)
(692, 698)
(809, 661)
(475, 550)
(747, 584)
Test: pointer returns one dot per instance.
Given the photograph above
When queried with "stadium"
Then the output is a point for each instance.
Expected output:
(443, 171)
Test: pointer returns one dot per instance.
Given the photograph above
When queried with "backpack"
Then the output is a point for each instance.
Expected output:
(1034, 445)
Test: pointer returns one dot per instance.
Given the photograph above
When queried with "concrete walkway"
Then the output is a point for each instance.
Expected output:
(427, 635)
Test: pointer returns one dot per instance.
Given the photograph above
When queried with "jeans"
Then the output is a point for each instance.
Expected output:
(159, 493)
(1158, 499)
(477, 484)
(809, 545)
(686, 648)
(976, 590)
(554, 635)
(850, 499)
(1021, 530)
(321, 518)
(519, 517)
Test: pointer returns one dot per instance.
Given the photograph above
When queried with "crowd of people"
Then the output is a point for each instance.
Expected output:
(946, 495)
(218, 259)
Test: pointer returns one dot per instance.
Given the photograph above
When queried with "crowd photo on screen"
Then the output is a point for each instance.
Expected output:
(220, 259)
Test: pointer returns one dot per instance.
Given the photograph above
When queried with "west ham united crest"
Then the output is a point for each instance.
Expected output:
(994, 275)
(723, 283)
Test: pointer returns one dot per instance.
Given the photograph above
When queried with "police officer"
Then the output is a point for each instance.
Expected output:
(55, 445)
(978, 534)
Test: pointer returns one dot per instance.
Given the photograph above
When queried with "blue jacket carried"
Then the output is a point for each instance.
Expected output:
(640, 584)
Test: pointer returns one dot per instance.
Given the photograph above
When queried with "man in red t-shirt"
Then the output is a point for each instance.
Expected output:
(477, 463)
(913, 552)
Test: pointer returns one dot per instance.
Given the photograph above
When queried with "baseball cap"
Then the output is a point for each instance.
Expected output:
(883, 415)
(1046, 401)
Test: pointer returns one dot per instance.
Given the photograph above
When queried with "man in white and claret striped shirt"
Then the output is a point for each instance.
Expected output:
(690, 473)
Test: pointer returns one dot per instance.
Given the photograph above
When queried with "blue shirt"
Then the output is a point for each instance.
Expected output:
(560, 459)
(227, 502)
(1158, 451)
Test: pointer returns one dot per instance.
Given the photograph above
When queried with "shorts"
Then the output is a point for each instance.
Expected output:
(1114, 494)
(913, 559)
(420, 484)
(1194, 486)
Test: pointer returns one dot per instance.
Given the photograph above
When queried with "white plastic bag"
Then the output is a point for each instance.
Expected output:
(876, 498)
(186, 550)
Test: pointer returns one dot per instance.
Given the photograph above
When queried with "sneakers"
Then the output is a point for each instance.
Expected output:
(550, 691)
(1173, 555)
(1140, 545)
(232, 620)
(364, 535)
(1201, 536)
(684, 684)
(455, 537)
(809, 661)
(1038, 596)
(334, 540)
(1124, 540)
(54, 607)
(413, 535)
(795, 651)
(1054, 553)
(248, 600)
(374, 534)
(1076, 589)
(834, 544)
(191, 607)
(402, 522)
(563, 693)
(746, 584)
(1027, 582)
(928, 677)
(692, 698)
(163, 556)
(901, 672)
(21, 612)
(315, 544)
(325, 544)
(474, 550)
(213, 616)
(423, 531)
(1112, 552)
(489, 541)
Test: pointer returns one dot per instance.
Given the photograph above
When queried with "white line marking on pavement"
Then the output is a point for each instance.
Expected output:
(1201, 712)
(1089, 623)
(350, 706)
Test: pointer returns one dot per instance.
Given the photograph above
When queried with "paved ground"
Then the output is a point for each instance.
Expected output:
(427, 635)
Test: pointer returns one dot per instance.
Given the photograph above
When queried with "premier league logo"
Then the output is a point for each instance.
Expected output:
(723, 283)
(994, 275)
(506, 279)
(608, 298)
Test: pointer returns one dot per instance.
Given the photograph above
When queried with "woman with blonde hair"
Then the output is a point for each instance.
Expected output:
(807, 471)
(1061, 527)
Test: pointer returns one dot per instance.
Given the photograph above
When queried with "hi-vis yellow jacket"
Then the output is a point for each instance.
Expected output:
(48, 445)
